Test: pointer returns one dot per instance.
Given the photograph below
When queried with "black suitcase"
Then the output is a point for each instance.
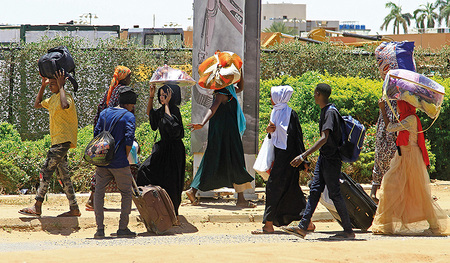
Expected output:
(361, 208)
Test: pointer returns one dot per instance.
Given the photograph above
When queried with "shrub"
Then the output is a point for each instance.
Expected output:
(11, 177)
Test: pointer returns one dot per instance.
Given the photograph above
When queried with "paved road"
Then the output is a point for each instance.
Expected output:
(189, 239)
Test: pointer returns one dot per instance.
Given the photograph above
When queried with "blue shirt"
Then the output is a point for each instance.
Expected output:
(123, 133)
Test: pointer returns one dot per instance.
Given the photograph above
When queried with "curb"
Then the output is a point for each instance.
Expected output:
(49, 223)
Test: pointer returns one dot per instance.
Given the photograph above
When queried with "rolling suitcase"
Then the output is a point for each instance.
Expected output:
(155, 207)
(361, 208)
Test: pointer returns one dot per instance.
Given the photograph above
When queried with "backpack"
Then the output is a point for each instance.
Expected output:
(353, 133)
(101, 150)
(56, 59)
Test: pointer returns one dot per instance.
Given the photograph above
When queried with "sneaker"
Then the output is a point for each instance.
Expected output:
(99, 234)
(125, 233)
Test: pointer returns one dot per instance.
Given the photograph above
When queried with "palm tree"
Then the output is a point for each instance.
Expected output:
(281, 27)
(426, 14)
(397, 17)
(444, 11)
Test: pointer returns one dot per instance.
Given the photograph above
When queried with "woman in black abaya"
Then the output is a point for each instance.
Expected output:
(284, 197)
(166, 165)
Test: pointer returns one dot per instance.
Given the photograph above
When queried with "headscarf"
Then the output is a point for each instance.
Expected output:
(176, 94)
(120, 73)
(405, 110)
(281, 114)
(240, 114)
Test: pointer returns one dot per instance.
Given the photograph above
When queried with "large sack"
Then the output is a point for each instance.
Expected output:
(220, 70)
(56, 59)
(395, 55)
(416, 89)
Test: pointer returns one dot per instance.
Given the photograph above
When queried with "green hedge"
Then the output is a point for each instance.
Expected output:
(297, 58)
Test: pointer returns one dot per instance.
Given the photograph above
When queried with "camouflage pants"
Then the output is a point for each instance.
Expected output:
(57, 161)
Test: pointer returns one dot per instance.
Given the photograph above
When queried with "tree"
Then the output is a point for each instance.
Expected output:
(444, 11)
(397, 17)
(281, 27)
(426, 14)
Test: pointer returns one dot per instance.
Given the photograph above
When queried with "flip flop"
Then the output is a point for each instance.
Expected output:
(28, 212)
(67, 214)
(246, 205)
(191, 196)
(311, 227)
(92, 209)
(262, 232)
(294, 230)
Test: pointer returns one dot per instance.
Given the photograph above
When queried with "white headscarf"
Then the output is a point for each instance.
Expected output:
(281, 114)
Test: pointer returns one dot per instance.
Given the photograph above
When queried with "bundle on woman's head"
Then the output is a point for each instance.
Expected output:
(176, 93)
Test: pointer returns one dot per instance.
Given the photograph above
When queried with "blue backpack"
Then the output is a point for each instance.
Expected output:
(353, 133)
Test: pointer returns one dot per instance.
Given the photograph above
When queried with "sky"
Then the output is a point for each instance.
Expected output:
(149, 13)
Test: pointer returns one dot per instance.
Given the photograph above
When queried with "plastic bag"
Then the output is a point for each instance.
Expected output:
(264, 161)
(416, 89)
(167, 75)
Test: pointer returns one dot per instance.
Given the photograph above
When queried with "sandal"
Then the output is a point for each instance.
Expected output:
(248, 204)
(294, 230)
(28, 211)
(311, 227)
(69, 214)
(191, 196)
(261, 232)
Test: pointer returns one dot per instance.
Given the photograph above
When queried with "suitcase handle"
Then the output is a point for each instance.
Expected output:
(135, 187)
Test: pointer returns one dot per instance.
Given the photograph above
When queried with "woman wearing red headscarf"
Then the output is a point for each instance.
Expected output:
(406, 205)
(121, 77)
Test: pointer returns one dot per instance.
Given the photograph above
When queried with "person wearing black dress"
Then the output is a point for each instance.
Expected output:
(284, 197)
(223, 164)
(166, 165)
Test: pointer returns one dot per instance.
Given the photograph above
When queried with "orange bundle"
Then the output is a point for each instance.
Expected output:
(220, 70)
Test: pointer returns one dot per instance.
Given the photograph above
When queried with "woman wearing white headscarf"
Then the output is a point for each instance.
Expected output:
(284, 197)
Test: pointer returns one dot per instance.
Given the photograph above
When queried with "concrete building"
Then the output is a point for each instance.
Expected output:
(33, 33)
(293, 15)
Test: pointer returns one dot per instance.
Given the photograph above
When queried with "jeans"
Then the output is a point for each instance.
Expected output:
(327, 172)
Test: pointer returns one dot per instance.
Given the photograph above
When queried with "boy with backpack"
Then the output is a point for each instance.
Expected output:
(119, 168)
(328, 166)
(63, 133)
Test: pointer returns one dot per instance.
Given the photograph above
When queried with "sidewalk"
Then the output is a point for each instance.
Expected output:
(214, 210)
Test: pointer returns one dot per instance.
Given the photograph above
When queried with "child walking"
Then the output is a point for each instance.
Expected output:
(63, 133)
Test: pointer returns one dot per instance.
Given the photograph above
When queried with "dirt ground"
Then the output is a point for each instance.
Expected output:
(406, 250)
(373, 249)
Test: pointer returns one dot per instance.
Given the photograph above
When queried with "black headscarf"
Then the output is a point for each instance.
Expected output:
(176, 94)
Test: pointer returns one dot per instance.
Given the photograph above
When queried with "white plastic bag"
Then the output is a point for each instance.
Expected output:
(264, 161)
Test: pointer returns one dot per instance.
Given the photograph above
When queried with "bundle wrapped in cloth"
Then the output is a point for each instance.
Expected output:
(416, 89)
(167, 75)
(220, 70)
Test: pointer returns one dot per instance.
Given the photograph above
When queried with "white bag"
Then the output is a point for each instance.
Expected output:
(264, 161)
